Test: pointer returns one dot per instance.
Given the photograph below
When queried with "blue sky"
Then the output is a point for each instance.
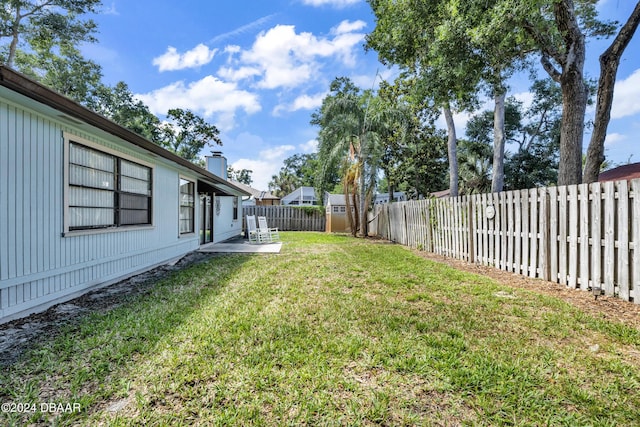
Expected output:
(258, 69)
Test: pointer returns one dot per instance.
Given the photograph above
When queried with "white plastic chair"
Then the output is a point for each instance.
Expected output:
(254, 235)
(271, 234)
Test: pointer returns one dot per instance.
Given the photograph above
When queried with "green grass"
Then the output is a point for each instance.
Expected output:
(334, 331)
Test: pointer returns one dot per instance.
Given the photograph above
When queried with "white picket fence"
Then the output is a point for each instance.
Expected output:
(289, 218)
(581, 236)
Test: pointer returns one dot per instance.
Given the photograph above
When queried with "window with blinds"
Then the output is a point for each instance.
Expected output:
(187, 206)
(235, 208)
(106, 191)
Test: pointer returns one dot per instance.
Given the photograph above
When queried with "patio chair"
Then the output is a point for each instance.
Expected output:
(271, 234)
(254, 235)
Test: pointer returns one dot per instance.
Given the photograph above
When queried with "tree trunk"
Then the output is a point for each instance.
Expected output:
(362, 202)
(497, 180)
(452, 149)
(574, 93)
(609, 61)
(574, 104)
(13, 46)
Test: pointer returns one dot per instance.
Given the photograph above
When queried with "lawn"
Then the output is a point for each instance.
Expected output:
(332, 331)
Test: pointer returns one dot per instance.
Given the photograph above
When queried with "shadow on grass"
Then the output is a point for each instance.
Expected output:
(77, 346)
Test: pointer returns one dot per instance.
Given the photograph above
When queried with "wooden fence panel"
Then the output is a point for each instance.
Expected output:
(584, 280)
(518, 232)
(289, 218)
(622, 237)
(609, 241)
(635, 243)
(579, 236)
(553, 233)
(544, 234)
(573, 236)
(562, 235)
(596, 245)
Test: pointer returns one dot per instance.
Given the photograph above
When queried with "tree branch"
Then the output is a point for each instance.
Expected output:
(609, 61)
(550, 69)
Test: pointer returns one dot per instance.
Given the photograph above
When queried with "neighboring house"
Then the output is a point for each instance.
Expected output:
(381, 198)
(336, 210)
(301, 196)
(85, 202)
(624, 172)
(258, 197)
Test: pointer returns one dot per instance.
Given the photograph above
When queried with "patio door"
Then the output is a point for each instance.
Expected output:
(206, 217)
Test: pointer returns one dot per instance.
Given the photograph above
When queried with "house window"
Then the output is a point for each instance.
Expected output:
(235, 208)
(187, 206)
(106, 191)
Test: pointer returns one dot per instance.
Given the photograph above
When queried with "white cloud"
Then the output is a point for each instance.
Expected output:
(626, 98)
(268, 164)
(110, 10)
(171, 60)
(306, 102)
(335, 3)
(614, 138)
(232, 48)
(303, 102)
(372, 81)
(238, 74)
(526, 98)
(210, 97)
(276, 153)
(347, 26)
(310, 146)
(286, 59)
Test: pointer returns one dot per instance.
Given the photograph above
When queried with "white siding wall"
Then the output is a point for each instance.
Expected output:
(224, 226)
(38, 266)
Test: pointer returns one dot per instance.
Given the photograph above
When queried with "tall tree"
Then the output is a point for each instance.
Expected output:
(300, 170)
(29, 24)
(351, 123)
(415, 156)
(118, 104)
(242, 175)
(284, 183)
(448, 42)
(186, 134)
(557, 30)
(532, 134)
(425, 40)
(64, 70)
(609, 61)
(475, 166)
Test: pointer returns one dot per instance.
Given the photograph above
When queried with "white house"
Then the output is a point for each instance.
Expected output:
(258, 197)
(85, 202)
(381, 198)
(301, 196)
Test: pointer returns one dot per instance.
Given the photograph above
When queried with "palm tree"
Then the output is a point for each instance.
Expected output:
(475, 166)
(352, 128)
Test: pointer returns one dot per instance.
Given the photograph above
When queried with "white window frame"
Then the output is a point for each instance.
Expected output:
(183, 180)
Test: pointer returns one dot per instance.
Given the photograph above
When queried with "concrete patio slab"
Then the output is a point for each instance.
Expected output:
(242, 246)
